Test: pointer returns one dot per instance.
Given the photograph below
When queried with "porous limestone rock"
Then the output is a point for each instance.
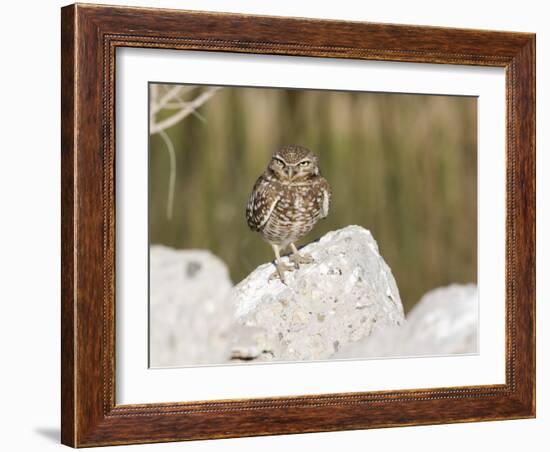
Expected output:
(443, 322)
(190, 319)
(336, 300)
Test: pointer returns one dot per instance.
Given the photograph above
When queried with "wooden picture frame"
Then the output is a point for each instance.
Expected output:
(90, 36)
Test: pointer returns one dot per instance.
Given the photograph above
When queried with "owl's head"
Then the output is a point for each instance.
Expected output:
(294, 163)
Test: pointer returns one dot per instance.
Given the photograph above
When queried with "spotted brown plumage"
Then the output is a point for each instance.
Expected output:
(287, 201)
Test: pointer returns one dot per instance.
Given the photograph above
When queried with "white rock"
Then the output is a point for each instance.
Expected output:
(443, 322)
(323, 306)
(190, 320)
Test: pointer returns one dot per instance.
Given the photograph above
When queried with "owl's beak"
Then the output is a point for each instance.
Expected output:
(290, 171)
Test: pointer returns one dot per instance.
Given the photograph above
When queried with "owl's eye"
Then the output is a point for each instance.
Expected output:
(304, 163)
(278, 163)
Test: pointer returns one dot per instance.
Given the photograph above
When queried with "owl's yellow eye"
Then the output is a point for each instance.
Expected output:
(278, 163)
(304, 163)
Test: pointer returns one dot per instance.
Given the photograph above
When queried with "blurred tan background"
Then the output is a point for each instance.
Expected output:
(403, 166)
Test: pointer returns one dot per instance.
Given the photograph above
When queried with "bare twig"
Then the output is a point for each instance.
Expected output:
(172, 179)
(190, 108)
(158, 104)
(170, 98)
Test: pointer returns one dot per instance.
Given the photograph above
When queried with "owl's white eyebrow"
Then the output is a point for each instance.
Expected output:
(276, 157)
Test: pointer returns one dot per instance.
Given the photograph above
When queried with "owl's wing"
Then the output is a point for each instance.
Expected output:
(261, 204)
(327, 195)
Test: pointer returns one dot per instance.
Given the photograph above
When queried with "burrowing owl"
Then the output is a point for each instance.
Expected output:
(286, 202)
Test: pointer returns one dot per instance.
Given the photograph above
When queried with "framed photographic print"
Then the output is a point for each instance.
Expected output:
(281, 225)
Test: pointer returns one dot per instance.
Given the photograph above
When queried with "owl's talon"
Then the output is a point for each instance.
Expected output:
(281, 267)
(298, 259)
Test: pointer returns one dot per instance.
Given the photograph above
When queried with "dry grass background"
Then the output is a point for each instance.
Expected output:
(403, 166)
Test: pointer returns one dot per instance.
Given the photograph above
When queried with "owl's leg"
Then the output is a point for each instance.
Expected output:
(280, 265)
(298, 258)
